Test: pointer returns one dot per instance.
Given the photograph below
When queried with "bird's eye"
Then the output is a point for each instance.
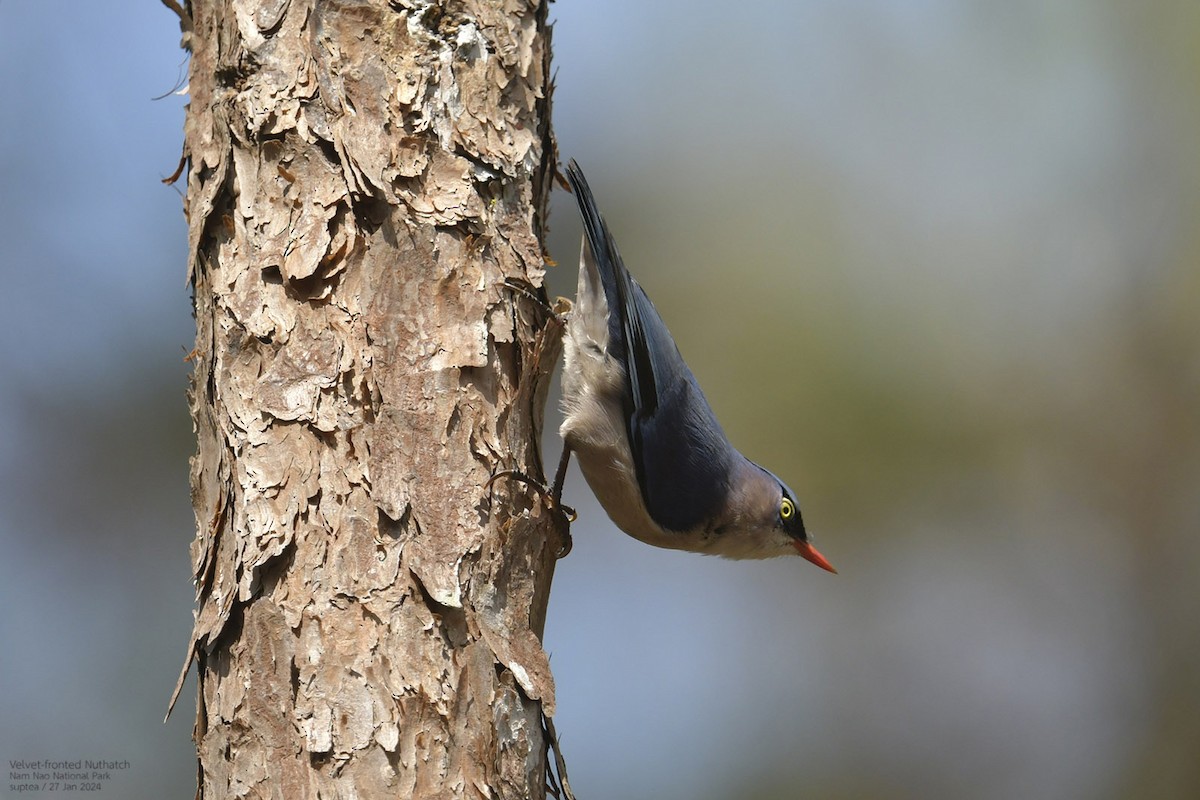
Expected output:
(787, 509)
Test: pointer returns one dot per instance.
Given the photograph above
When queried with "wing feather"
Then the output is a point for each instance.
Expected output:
(680, 453)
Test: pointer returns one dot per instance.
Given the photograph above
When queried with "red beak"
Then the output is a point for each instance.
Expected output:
(810, 554)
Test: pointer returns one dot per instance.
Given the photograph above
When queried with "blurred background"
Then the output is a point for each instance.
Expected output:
(937, 264)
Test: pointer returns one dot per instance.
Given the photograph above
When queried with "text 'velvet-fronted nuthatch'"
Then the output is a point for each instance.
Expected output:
(647, 441)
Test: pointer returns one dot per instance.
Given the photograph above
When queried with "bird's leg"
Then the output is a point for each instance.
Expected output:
(561, 474)
(556, 493)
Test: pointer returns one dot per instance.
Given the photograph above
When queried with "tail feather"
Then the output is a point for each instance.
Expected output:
(625, 299)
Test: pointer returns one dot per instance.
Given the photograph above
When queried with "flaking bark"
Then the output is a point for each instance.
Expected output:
(366, 189)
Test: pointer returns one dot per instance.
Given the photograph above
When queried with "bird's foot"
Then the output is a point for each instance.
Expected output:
(552, 499)
(557, 312)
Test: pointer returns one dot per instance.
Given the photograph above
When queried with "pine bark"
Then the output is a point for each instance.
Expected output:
(366, 194)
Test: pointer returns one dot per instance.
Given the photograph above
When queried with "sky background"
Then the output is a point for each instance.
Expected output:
(935, 264)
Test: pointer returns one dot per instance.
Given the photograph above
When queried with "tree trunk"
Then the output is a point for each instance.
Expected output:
(366, 192)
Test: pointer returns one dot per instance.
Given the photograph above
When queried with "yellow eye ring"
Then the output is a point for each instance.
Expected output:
(787, 509)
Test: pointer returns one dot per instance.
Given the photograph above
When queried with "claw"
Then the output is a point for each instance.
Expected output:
(553, 503)
(528, 290)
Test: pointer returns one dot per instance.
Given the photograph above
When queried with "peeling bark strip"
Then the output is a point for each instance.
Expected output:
(366, 182)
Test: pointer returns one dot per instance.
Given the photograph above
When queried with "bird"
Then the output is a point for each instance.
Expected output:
(646, 439)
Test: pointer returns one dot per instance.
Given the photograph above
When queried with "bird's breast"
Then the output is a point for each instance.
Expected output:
(594, 428)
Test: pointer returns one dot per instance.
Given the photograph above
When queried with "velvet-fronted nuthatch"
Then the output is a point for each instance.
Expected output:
(647, 441)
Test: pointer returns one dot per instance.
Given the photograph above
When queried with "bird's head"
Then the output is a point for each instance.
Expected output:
(762, 519)
(789, 520)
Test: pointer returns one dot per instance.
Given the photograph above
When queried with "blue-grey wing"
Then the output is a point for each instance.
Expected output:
(683, 458)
